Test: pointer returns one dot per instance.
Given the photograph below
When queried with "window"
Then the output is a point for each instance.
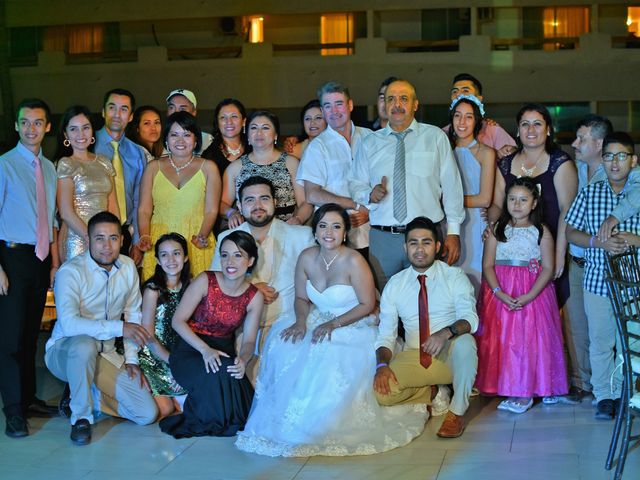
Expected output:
(633, 21)
(256, 30)
(548, 27)
(336, 28)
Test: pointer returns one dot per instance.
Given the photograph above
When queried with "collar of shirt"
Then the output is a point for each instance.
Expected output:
(387, 130)
(28, 154)
(93, 265)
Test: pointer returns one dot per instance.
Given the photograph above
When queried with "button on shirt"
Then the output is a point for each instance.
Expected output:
(327, 161)
(133, 163)
(18, 207)
(591, 207)
(431, 174)
(91, 300)
(451, 298)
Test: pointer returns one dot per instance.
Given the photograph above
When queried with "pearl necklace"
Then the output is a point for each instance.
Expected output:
(328, 264)
(181, 167)
(233, 152)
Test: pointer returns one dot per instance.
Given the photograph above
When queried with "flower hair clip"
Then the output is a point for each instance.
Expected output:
(471, 98)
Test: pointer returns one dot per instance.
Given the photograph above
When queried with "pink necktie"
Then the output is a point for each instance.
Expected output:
(42, 227)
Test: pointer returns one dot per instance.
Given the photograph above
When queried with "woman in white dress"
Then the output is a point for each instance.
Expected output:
(477, 165)
(314, 393)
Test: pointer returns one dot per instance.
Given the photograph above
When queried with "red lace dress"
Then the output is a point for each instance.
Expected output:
(217, 404)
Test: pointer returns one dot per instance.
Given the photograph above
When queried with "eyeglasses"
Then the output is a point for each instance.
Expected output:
(620, 156)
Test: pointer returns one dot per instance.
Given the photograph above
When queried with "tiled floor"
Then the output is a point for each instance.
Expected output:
(548, 442)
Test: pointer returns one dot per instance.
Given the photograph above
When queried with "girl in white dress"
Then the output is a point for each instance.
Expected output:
(314, 393)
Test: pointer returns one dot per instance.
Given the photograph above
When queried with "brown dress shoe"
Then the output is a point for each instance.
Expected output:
(452, 427)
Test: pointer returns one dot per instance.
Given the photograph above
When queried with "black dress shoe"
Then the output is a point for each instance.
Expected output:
(606, 409)
(81, 432)
(64, 407)
(38, 408)
(16, 427)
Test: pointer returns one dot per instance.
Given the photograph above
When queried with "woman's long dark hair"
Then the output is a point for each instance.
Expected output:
(133, 132)
(310, 104)
(535, 216)
(476, 115)
(62, 150)
(158, 280)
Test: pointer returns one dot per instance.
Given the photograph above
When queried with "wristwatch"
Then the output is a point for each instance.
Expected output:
(453, 330)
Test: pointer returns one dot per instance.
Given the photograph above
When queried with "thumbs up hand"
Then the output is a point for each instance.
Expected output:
(379, 191)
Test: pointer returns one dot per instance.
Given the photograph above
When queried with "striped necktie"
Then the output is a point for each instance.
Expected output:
(400, 179)
(42, 224)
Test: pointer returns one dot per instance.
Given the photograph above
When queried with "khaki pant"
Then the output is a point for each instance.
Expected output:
(76, 360)
(457, 363)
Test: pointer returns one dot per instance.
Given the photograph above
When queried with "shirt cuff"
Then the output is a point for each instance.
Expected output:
(453, 229)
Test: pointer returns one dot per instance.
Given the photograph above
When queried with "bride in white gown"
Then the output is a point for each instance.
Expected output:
(314, 392)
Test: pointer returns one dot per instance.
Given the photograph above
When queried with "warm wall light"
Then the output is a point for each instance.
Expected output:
(256, 30)
(633, 20)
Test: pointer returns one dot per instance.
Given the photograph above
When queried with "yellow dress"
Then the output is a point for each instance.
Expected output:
(179, 210)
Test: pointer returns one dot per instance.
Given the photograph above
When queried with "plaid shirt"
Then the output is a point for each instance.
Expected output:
(591, 207)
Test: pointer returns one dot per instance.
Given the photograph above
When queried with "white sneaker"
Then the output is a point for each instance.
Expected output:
(440, 404)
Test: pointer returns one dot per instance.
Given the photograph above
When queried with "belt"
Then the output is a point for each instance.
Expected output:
(397, 229)
(18, 246)
(581, 262)
(512, 263)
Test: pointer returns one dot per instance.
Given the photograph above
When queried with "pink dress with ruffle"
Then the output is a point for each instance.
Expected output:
(520, 353)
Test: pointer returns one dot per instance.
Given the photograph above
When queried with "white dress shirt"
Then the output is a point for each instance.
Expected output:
(431, 176)
(451, 298)
(327, 161)
(91, 300)
(277, 257)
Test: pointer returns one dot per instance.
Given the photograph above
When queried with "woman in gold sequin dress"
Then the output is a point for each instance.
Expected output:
(85, 181)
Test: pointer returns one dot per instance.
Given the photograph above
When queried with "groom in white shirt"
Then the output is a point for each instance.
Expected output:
(439, 347)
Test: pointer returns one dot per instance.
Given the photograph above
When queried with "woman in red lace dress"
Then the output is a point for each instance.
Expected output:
(204, 360)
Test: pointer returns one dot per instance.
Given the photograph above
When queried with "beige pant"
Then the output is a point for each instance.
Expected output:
(76, 360)
(457, 363)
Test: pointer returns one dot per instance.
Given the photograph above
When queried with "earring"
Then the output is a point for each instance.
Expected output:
(243, 129)
(548, 134)
(66, 142)
(93, 140)
(275, 142)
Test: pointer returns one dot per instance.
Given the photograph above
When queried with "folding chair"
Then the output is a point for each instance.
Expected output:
(623, 282)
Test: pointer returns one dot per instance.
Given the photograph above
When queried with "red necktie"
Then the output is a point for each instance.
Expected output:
(42, 225)
(423, 316)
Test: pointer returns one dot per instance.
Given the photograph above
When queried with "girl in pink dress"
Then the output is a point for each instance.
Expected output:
(520, 351)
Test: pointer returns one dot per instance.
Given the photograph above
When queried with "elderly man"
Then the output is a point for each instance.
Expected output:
(403, 171)
(93, 291)
(437, 305)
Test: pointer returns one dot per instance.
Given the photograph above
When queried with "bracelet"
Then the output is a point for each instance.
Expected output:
(382, 364)
(230, 212)
(142, 236)
(357, 209)
(591, 240)
(496, 290)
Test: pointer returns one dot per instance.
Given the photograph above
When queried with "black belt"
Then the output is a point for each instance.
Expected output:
(397, 229)
(581, 262)
(18, 246)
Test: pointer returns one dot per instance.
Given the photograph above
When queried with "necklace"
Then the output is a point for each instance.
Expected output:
(233, 152)
(181, 167)
(328, 264)
(528, 172)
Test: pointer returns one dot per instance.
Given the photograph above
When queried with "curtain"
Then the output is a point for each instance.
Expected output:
(336, 28)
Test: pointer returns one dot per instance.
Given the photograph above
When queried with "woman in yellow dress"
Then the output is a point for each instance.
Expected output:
(179, 193)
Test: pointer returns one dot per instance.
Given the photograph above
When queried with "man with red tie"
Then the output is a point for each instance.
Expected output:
(437, 306)
(28, 260)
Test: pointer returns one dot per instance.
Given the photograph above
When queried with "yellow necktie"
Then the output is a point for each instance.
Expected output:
(119, 182)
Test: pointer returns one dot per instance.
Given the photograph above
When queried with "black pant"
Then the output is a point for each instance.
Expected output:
(20, 317)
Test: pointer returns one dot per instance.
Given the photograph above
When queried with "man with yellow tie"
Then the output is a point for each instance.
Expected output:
(128, 161)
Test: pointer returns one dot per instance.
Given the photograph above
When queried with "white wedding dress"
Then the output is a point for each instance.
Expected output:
(318, 399)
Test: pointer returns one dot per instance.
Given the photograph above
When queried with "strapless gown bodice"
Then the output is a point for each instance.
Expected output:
(334, 299)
